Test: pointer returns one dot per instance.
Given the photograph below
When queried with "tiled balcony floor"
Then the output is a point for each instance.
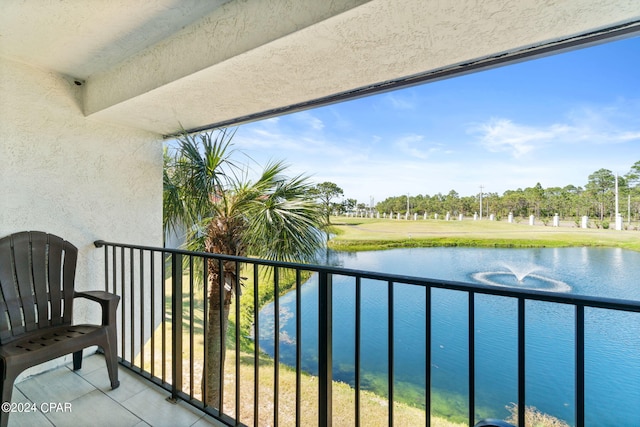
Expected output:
(137, 402)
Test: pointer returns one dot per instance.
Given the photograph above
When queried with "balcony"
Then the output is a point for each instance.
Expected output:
(162, 341)
(85, 104)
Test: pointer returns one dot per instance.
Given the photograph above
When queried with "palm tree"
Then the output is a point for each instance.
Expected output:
(274, 217)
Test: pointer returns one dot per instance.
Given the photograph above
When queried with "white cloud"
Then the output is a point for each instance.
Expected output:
(605, 124)
(407, 145)
(502, 135)
(586, 125)
(310, 121)
(415, 146)
(398, 102)
(627, 136)
(305, 151)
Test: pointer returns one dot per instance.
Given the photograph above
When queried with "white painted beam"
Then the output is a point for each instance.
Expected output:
(231, 30)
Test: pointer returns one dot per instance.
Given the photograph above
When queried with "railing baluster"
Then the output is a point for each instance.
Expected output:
(358, 326)
(132, 304)
(114, 274)
(472, 360)
(221, 280)
(191, 340)
(521, 361)
(390, 350)
(142, 314)
(298, 344)
(106, 268)
(163, 299)
(176, 325)
(579, 365)
(123, 304)
(325, 343)
(205, 324)
(256, 348)
(237, 354)
(152, 292)
(427, 352)
(276, 344)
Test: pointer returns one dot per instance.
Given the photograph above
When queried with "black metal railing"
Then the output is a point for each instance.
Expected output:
(163, 336)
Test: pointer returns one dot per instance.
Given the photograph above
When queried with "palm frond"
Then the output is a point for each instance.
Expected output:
(283, 222)
(193, 175)
(172, 202)
(275, 217)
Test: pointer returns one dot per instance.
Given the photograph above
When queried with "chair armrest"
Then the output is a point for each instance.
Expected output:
(108, 302)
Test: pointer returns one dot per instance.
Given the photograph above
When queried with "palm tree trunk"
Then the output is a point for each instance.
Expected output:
(215, 354)
(215, 339)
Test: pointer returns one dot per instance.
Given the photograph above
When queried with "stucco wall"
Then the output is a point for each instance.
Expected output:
(72, 176)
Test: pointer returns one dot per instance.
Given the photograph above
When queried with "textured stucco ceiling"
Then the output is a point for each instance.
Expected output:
(163, 64)
(81, 37)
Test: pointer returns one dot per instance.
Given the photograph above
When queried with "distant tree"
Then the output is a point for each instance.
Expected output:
(393, 204)
(349, 205)
(418, 204)
(633, 186)
(437, 203)
(452, 201)
(633, 177)
(469, 204)
(574, 200)
(514, 201)
(326, 192)
(554, 199)
(534, 197)
(491, 202)
(601, 184)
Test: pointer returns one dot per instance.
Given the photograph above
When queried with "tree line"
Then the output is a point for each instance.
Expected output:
(595, 200)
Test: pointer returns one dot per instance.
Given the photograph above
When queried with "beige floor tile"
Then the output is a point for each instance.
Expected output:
(151, 405)
(26, 419)
(130, 383)
(60, 385)
(207, 421)
(96, 410)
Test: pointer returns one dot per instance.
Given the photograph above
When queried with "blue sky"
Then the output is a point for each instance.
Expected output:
(553, 120)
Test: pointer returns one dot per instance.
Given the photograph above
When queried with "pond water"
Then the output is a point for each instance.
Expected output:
(612, 348)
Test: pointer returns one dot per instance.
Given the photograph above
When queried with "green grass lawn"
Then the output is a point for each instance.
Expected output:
(357, 234)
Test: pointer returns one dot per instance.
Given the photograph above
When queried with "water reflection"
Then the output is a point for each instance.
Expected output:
(612, 339)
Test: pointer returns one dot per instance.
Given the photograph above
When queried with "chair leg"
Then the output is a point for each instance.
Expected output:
(77, 360)
(111, 357)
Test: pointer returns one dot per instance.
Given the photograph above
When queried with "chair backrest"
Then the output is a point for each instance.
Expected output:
(37, 273)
